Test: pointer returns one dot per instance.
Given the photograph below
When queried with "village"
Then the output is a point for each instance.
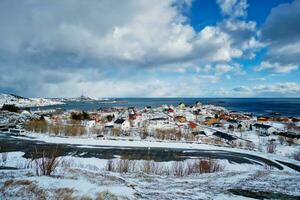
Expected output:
(121, 148)
(198, 123)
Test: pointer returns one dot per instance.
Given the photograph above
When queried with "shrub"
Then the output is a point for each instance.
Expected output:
(144, 133)
(116, 131)
(178, 169)
(281, 139)
(74, 130)
(3, 158)
(124, 166)
(250, 145)
(80, 115)
(109, 165)
(296, 155)
(55, 128)
(148, 167)
(106, 196)
(46, 162)
(271, 147)
(10, 108)
(290, 141)
(37, 125)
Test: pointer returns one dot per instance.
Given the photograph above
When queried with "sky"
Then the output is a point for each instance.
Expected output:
(142, 48)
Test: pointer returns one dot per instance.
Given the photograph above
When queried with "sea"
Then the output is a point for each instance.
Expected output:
(289, 107)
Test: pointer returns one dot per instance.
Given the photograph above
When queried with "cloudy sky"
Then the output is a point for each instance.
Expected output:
(143, 48)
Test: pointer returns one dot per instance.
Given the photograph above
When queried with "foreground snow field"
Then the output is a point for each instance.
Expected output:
(86, 178)
(135, 142)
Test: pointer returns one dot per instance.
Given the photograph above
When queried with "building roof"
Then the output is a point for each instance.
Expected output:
(119, 121)
(224, 135)
(159, 119)
(262, 126)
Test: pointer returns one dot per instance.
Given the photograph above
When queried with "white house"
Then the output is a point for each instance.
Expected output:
(264, 129)
(122, 124)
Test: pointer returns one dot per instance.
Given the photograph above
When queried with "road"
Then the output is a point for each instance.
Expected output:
(29, 147)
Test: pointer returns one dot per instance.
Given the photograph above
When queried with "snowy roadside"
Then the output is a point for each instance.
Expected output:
(86, 178)
(123, 142)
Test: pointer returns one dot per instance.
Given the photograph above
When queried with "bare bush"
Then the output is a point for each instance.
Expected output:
(116, 131)
(215, 166)
(109, 165)
(165, 134)
(178, 169)
(96, 131)
(178, 135)
(46, 162)
(188, 137)
(290, 141)
(106, 196)
(74, 129)
(296, 155)
(40, 126)
(3, 158)
(271, 147)
(144, 132)
(121, 166)
(250, 145)
(281, 139)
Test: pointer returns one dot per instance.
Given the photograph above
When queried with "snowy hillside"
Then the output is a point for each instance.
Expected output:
(26, 102)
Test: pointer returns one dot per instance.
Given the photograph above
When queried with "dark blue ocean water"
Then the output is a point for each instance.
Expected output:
(258, 106)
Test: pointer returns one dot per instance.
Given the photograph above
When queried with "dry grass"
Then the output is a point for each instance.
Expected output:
(64, 193)
(271, 147)
(20, 188)
(74, 129)
(178, 168)
(96, 131)
(106, 196)
(39, 126)
(116, 132)
(165, 134)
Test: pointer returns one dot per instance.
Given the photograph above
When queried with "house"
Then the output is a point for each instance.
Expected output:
(170, 110)
(224, 136)
(181, 119)
(109, 125)
(264, 129)
(290, 134)
(211, 121)
(199, 133)
(122, 124)
(181, 105)
(192, 125)
(262, 119)
(232, 121)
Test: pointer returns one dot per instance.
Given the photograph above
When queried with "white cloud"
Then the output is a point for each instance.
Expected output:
(257, 79)
(287, 89)
(79, 42)
(233, 8)
(276, 67)
(223, 68)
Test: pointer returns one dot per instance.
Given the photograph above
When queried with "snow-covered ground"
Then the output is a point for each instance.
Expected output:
(124, 142)
(78, 178)
(26, 102)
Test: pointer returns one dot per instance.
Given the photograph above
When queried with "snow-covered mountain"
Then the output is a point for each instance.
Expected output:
(26, 102)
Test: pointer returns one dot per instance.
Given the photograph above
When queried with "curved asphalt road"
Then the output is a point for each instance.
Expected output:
(9, 144)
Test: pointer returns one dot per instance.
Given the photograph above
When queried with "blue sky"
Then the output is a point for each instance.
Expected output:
(141, 48)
